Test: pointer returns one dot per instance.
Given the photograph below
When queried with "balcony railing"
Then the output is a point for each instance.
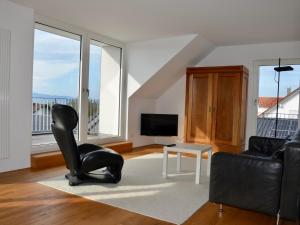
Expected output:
(42, 117)
(280, 115)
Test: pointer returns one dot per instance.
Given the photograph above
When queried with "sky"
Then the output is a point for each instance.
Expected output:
(268, 78)
(57, 63)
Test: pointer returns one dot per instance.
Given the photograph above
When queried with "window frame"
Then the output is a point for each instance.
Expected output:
(269, 62)
(122, 90)
(86, 36)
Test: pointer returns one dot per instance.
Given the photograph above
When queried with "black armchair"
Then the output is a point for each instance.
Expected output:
(265, 147)
(246, 182)
(83, 159)
(266, 178)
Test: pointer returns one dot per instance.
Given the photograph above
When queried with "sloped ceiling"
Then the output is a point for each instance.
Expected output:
(147, 58)
(175, 68)
(212, 22)
(228, 22)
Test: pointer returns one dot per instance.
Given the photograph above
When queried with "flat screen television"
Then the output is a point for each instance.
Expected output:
(159, 124)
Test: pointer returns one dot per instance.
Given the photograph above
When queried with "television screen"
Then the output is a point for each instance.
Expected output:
(159, 124)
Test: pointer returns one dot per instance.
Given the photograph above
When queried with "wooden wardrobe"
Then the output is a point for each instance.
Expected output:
(216, 107)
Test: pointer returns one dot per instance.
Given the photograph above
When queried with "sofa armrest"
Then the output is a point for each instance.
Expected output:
(246, 182)
(290, 189)
(265, 145)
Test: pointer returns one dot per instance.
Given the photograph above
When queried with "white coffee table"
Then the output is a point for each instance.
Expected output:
(197, 149)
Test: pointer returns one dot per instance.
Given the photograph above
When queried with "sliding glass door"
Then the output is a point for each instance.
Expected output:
(56, 75)
(76, 70)
(278, 102)
(104, 90)
(94, 89)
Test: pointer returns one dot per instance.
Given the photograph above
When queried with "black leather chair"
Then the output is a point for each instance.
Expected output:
(290, 189)
(266, 178)
(83, 159)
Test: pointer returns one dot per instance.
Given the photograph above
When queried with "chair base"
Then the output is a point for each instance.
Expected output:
(105, 177)
(221, 210)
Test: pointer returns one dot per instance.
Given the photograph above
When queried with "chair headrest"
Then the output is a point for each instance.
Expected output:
(64, 117)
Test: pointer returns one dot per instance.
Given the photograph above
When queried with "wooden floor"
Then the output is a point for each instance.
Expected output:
(24, 202)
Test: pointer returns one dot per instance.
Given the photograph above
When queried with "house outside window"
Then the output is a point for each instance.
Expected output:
(287, 115)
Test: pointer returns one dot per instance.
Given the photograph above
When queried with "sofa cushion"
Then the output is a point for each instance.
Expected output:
(257, 154)
(265, 146)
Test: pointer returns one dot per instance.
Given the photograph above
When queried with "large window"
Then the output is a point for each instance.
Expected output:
(278, 102)
(56, 72)
(59, 77)
(104, 90)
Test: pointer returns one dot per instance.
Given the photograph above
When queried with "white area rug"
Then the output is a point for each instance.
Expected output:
(143, 190)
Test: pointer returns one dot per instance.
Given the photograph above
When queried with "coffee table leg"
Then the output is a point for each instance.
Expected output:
(165, 164)
(178, 161)
(209, 162)
(198, 168)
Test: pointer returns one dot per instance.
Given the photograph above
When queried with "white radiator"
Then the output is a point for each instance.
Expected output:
(4, 92)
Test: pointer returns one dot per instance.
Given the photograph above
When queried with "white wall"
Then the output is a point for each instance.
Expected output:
(291, 106)
(172, 102)
(234, 55)
(138, 106)
(287, 109)
(110, 90)
(169, 73)
(153, 66)
(20, 21)
(145, 58)
(261, 109)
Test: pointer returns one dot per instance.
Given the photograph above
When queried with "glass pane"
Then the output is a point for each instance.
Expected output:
(288, 102)
(104, 90)
(56, 72)
(94, 89)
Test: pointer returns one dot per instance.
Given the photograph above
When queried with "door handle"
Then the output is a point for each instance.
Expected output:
(86, 90)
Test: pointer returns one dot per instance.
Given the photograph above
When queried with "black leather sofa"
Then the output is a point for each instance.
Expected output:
(266, 178)
(83, 159)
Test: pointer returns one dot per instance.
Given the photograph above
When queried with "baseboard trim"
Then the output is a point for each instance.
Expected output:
(53, 159)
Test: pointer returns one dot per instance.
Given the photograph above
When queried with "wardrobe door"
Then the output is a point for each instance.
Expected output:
(226, 109)
(199, 108)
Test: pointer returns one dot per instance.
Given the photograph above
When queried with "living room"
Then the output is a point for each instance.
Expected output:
(128, 85)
